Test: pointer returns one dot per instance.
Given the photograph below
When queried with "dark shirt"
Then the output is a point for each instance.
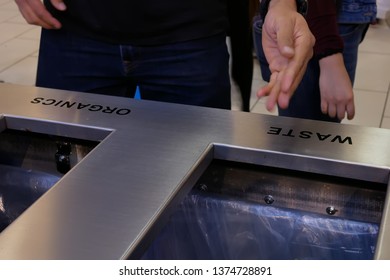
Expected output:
(322, 21)
(144, 22)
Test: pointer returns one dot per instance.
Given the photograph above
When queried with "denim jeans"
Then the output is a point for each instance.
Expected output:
(306, 101)
(194, 72)
(357, 11)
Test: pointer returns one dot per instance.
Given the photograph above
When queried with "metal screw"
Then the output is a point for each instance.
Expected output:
(331, 210)
(269, 199)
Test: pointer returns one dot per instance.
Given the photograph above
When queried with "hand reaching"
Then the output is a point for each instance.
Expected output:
(34, 12)
(288, 46)
(336, 88)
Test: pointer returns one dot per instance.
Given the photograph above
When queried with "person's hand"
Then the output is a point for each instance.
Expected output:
(288, 46)
(34, 12)
(336, 88)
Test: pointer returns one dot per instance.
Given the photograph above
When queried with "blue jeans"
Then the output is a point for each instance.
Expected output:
(357, 11)
(194, 72)
(306, 101)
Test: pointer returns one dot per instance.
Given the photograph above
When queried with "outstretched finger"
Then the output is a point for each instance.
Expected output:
(350, 110)
(266, 90)
(324, 107)
(35, 13)
(275, 91)
(341, 110)
(59, 4)
(332, 110)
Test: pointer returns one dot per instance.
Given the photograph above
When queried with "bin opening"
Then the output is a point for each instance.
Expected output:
(246, 211)
(31, 163)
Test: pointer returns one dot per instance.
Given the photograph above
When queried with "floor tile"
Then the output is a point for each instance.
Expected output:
(10, 5)
(18, 18)
(386, 123)
(387, 109)
(377, 40)
(257, 83)
(383, 6)
(2, 2)
(16, 50)
(22, 73)
(6, 15)
(373, 72)
(236, 97)
(260, 108)
(33, 34)
(9, 31)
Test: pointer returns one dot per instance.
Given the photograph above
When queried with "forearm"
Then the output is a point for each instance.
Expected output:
(329, 62)
(278, 7)
(336, 88)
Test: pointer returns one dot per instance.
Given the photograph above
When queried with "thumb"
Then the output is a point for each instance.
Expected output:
(285, 38)
(58, 4)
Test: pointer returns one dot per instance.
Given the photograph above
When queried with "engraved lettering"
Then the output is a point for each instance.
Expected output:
(108, 110)
(274, 130)
(58, 103)
(123, 112)
(342, 141)
(67, 104)
(49, 102)
(95, 108)
(37, 100)
(322, 137)
(81, 106)
(305, 134)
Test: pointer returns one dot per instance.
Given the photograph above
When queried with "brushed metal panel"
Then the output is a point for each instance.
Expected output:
(382, 251)
(110, 204)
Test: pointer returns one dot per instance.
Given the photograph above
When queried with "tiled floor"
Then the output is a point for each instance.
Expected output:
(19, 44)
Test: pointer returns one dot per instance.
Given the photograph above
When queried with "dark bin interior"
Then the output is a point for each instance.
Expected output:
(242, 211)
(30, 164)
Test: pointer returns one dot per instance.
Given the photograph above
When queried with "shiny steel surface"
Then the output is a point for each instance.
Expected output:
(283, 188)
(110, 205)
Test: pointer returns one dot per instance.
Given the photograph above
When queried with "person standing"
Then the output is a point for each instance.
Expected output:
(240, 13)
(326, 92)
(174, 50)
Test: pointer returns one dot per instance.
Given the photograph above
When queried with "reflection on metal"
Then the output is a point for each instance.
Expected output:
(113, 202)
(286, 188)
(19, 188)
(247, 209)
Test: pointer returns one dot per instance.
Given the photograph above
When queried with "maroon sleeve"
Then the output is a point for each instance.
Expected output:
(322, 20)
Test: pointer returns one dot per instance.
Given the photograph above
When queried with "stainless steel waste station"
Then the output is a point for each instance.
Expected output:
(131, 162)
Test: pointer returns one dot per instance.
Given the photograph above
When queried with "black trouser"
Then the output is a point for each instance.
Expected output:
(241, 47)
